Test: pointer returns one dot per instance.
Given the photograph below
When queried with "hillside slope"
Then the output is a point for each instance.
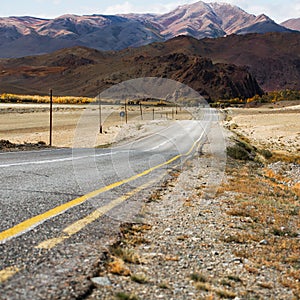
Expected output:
(293, 24)
(83, 71)
(234, 66)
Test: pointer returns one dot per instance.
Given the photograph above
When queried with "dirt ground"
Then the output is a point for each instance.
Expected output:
(269, 127)
(275, 127)
(78, 125)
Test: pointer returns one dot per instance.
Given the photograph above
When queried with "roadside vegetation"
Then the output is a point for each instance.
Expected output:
(268, 97)
(267, 208)
(14, 98)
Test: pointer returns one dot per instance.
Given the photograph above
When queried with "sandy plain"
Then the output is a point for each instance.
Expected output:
(276, 128)
(79, 125)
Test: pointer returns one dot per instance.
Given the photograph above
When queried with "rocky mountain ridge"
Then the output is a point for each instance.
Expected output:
(23, 36)
(218, 68)
(81, 71)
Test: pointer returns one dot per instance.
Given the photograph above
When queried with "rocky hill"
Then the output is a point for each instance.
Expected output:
(222, 68)
(22, 36)
(86, 72)
(272, 58)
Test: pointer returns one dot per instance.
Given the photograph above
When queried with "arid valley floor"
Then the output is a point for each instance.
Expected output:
(200, 237)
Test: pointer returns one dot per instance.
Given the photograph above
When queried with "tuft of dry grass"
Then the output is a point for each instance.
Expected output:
(123, 251)
(118, 267)
(225, 293)
(132, 233)
(203, 286)
(139, 278)
(198, 277)
(125, 296)
(127, 255)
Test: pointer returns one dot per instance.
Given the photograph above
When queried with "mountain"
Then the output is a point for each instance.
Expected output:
(86, 72)
(221, 68)
(22, 36)
(293, 24)
(30, 36)
(213, 20)
(272, 58)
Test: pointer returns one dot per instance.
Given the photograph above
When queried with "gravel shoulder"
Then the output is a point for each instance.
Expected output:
(237, 240)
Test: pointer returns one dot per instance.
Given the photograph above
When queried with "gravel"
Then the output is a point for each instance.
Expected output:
(186, 254)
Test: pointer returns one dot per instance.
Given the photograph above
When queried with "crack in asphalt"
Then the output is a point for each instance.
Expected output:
(33, 173)
(44, 192)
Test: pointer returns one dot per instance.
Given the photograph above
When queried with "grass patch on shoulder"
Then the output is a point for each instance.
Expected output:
(139, 278)
(241, 149)
(125, 296)
(265, 209)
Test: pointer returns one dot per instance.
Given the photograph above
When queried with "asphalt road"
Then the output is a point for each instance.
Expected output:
(53, 199)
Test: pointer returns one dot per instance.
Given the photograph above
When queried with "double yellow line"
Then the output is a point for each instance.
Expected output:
(35, 221)
(80, 224)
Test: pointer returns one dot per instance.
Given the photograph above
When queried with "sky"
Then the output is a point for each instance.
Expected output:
(278, 10)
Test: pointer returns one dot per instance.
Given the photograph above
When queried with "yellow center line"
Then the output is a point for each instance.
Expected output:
(6, 273)
(80, 224)
(36, 220)
(72, 229)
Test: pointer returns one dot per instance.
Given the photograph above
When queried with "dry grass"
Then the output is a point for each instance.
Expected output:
(268, 209)
(127, 255)
(44, 99)
(133, 233)
(118, 267)
(123, 251)
(124, 296)
(198, 277)
(286, 157)
(139, 278)
(203, 286)
(225, 293)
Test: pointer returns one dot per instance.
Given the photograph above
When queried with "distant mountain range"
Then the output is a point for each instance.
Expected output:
(293, 24)
(222, 68)
(22, 36)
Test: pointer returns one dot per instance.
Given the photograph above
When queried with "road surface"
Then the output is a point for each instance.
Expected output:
(55, 199)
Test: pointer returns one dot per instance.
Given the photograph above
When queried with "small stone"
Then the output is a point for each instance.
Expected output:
(167, 230)
(101, 281)
(264, 242)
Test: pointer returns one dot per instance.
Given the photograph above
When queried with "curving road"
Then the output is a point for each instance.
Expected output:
(50, 198)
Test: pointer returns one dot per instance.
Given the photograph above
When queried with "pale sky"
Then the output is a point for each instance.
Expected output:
(278, 10)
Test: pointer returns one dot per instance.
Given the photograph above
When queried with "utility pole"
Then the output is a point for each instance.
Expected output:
(141, 111)
(100, 116)
(50, 131)
(126, 118)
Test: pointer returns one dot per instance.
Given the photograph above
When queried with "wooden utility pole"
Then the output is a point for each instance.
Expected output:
(50, 131)
(100, 117)
(141, 111)
(126, 118)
